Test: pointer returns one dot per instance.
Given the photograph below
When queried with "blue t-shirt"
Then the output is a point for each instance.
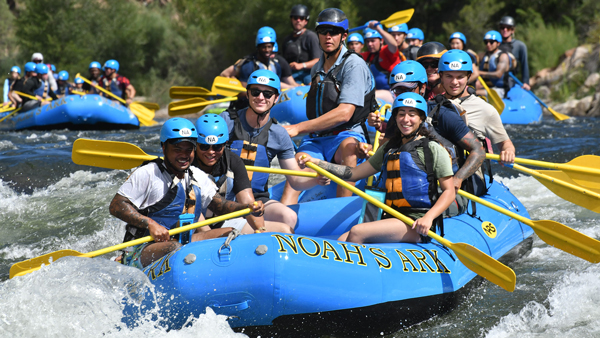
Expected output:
(279, 144)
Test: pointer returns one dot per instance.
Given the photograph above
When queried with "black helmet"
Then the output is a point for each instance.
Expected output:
(333, 17)
(431, 50)
(507, 21)
(300, 10)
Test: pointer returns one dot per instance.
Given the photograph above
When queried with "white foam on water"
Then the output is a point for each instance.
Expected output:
(82, 297)
(6, 145)
(572, 309)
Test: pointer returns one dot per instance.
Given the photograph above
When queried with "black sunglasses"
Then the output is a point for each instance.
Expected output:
(215, 147)
(432, 64)
(400, 90)
(295, 17)
(329, 30)
(266, 93)
(488, 42)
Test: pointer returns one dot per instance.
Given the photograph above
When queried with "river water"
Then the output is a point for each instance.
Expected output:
(47, 203)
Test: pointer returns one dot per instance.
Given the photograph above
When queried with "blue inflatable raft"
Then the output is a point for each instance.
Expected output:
(311, 284)
(87, 112)
(520, 108)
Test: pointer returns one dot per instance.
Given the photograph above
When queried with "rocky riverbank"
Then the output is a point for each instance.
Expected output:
(572, 87)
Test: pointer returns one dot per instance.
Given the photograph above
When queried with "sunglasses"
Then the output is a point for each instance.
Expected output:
(489, 42)
(266, 93)
(400, 90)
(329, 30)
(506, 27)
(295, 17)
(207, 147)
(431, 64)
(37, 61)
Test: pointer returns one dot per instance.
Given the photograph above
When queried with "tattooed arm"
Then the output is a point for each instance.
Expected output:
(123, 209)
(346, 173)
(221, 206)
(473, 162)
(501, 68)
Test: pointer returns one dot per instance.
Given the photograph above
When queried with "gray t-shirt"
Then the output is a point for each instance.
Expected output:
(279, 144)
(484, 120)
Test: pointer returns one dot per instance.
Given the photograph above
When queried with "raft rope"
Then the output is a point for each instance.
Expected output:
(232, 235)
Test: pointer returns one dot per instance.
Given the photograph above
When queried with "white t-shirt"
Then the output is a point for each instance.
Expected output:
(484, 120)
(147, 185)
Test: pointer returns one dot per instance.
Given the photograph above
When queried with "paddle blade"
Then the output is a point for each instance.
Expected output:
(564, 238)
(485, 266)
(30, 265)
(143, 114)
(494, 99)
(587, 175)
(558, 116)
(148, 105)
(181, 92)
(188, 106)
(227, 86)
(398, 18)
(589, 201)
(108, 154)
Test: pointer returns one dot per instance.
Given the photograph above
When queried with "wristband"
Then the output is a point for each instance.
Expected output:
(304, 65)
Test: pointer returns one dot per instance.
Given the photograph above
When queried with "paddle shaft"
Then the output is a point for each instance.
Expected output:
(557, 116)
(15, 271)
(549, 165)
(100, 88)
(9, 115)
(493, 96)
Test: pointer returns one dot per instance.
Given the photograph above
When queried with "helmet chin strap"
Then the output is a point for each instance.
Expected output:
(414, 134)
(259, 115)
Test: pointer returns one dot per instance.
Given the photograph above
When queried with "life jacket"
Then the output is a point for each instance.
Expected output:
(178, 200)
(252, 151)
(272, 66)
(42, 91)
(293, 51)
(381, 75)
(489, 63)
(224, 182)
(410, 184)
(323, 96)
(410, 52)
(64, 89)
(114, 86)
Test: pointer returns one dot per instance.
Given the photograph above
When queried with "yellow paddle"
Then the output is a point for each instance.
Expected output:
(149, 105)
(397, 18)
(553, 233)
(78, 92)
(180, 92)
(474, 259)
(377, 134)
(123, 155)
(9, 115)
(30, 96)
(33, 264)
(5, 109)
(227, 86)
(193, 105)
(143, 114)
(557, 116)
(493, 97)
(583, 170)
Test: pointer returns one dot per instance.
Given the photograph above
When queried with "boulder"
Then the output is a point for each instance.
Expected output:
(567, 107)
(595, 109)
(582, 106)
(592, 80)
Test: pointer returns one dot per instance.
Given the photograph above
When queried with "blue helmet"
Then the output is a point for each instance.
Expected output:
(275, 47)
(356, 37)
(493, 35)
(95, 64)
(41, 68)
(63, 75)
(29, 67)
(415, 33)
(178, 129)
(212, 129)
(112, 64)
(401, 28)
(372, 34)
(333, 17)
(265, 77)
(408, 71)
(455, 60)
(265, 34)
(15, 69)
(458, 35)
(410, 99)
(53, 67)
(55, 76)
(78, 80)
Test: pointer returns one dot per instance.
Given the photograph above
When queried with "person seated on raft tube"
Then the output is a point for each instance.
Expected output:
(95, 74)
(115, 83)
(495, 65)
(455, 69)
(27, 85)
(301, 48)
(44, 91)
(64, 87)
(355, 42)
(399, 33)
(405, 162)
(229, 174)
(447, 123)
(258, 139)
(380, 58)
(459, 41)
(159, 191)
(15, 75)
(341, 96)
(429, 56)
(414, 38)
